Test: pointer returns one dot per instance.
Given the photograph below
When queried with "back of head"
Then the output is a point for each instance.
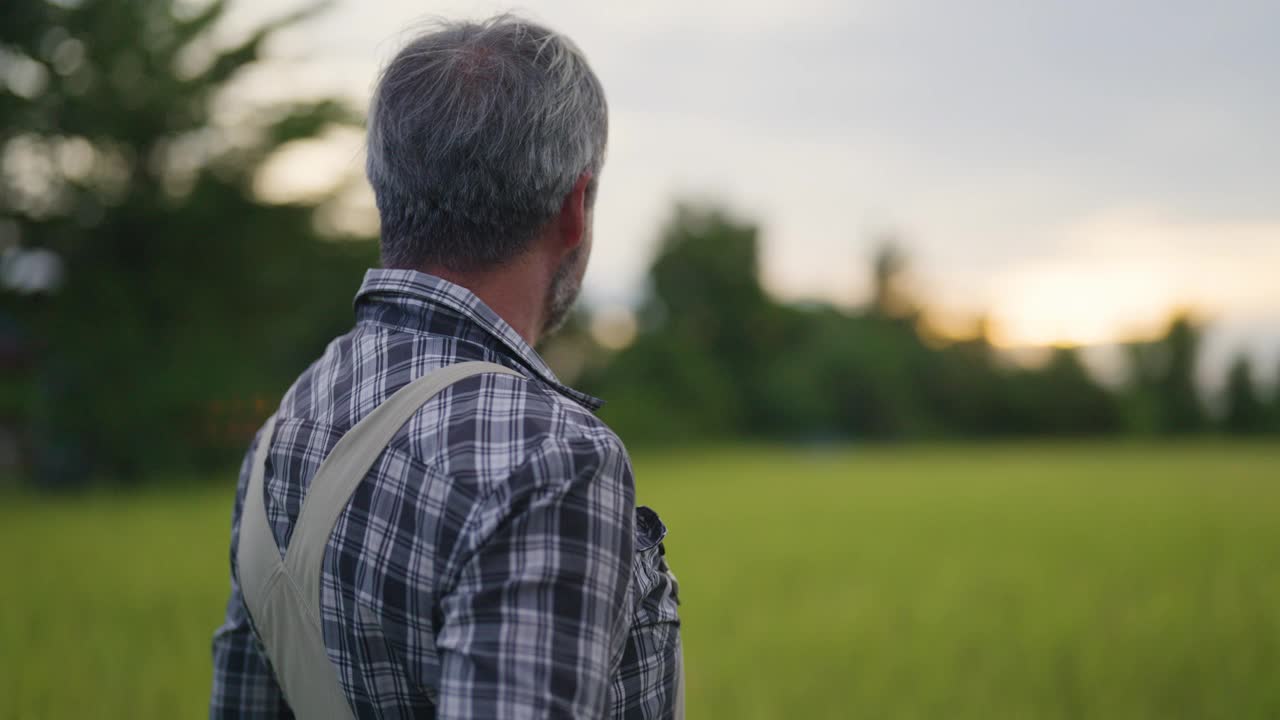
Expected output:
(477, 131)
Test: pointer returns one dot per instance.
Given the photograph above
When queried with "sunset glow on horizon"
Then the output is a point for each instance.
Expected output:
(1038, 174)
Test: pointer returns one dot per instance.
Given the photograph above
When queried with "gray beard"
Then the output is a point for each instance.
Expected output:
(562, 294)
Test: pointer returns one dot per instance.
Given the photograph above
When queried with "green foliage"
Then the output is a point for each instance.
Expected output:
(1274, 406)
(1246, 413)
(1062, 399)
(184, 291)
(1162, 392)
(693, 378)
(718, 357)
(986, 581)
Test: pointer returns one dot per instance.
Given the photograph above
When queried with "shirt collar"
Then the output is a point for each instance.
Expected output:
(410, 287)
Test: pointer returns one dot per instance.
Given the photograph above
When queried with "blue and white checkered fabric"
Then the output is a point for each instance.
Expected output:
(493, 563)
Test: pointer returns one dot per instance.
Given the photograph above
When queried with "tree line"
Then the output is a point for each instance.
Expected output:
(153, 306)
(717, 357)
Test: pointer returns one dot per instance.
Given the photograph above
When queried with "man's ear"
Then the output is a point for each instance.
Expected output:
(573, 214)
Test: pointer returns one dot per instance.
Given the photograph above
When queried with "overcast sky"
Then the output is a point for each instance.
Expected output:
(1076, 168)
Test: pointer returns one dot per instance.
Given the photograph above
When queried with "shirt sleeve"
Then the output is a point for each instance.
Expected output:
(537, 617)
(243, 684)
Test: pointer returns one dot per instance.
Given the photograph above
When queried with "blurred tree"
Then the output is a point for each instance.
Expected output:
(184, 291)
(1246, 412)
(890, 297)
(707, 326)
(1162, 396)
(1274, 406)
(1062, 398)
(1183, 409)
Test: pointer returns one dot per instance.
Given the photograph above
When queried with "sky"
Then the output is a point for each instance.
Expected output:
(1074, 169)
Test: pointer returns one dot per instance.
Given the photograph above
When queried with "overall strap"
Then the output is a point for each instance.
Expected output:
(283, 595)
(348, 463)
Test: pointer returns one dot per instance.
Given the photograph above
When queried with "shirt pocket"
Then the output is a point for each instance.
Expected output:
(656, 592)
(645, 685)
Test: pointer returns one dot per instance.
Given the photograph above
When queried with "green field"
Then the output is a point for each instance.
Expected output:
(1069, 581)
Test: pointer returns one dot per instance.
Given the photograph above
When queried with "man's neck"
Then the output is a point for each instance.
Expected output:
(516, 291)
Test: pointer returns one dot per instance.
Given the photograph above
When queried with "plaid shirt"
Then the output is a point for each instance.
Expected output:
(493, 563)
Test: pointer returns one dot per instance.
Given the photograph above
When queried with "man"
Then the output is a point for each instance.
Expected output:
(491, 563)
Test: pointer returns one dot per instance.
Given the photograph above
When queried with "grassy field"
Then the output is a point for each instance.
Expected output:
(1072, 581)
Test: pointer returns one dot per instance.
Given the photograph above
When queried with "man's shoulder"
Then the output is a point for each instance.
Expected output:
(493, 424)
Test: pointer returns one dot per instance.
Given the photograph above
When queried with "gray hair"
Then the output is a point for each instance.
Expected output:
(477, 131)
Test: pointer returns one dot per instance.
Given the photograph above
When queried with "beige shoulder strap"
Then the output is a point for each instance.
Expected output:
(283, 595)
